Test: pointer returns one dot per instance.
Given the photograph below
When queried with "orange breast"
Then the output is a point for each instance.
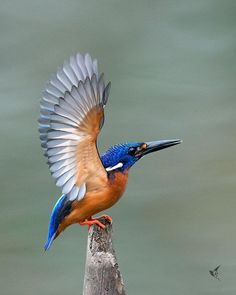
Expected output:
(98, 200)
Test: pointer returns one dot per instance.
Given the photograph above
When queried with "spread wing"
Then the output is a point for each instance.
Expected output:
(71, 116)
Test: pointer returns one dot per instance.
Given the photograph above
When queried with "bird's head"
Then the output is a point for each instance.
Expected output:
(121, 157)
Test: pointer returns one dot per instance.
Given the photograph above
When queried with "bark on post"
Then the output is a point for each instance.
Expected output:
(102, 274)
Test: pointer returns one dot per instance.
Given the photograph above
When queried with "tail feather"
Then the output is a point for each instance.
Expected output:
(60, 210)
(49, 241)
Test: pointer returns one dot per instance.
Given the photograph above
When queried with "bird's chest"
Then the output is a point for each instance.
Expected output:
(111, 192)
(117, 184)
(99, 200)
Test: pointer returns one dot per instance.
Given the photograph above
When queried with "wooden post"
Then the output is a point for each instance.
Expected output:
(102, 274)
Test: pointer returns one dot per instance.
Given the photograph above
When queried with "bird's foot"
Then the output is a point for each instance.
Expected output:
(107, 217)
(91, 221)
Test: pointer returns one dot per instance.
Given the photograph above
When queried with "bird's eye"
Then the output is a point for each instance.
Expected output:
(132, 151)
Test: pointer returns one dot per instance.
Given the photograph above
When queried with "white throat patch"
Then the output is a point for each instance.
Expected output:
(119, 165)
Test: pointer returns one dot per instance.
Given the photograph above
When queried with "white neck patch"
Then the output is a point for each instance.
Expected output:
(119, 165)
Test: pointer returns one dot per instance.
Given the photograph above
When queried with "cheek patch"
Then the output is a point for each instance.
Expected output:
(119, 165)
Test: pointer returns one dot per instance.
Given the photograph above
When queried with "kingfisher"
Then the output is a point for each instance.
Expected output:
(71, 117)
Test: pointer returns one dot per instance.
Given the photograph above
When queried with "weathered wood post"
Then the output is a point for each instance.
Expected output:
(102, 274)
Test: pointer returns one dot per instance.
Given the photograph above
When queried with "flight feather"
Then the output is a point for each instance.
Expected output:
(71, 116)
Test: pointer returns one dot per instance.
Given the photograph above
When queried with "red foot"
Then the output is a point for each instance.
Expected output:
(92, 221)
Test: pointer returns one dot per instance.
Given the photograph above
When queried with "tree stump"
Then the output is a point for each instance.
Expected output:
(102, 274)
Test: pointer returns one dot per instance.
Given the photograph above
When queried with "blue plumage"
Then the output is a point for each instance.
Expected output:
(121, 153)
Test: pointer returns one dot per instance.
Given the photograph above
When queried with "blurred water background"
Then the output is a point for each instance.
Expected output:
(172, 67)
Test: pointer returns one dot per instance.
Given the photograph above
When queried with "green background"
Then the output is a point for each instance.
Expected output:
(172, 67)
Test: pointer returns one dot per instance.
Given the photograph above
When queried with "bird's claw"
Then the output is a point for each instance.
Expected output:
(91, 221)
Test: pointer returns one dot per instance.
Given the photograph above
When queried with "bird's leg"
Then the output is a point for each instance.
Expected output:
(90, 221)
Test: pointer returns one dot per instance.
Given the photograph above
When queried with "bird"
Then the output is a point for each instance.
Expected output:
(71, 117)
(215, 273)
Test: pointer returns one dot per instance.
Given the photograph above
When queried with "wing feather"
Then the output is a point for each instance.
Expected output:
(71, 116)
(95, 67)
(89, 64)
(68, 185)
(62, 163)
(63, 170)
(60, 157)
(70, 73)
(49, 97)
(50, 88)
(60, 143)
(74, 193)
(64, 178)
(81, 64)
(62, 119)
(61, 150)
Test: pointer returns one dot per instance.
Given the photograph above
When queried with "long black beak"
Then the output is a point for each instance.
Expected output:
(153, 146)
